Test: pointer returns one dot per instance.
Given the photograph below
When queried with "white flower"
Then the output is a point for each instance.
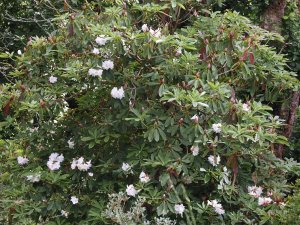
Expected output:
(19, 52)
(96, 51)
(91, 174)
(22, 160)
(155, 33)
(195, 118)
(126, 167)
(217, 127)
(217, 206)
(71, 144)
(202, 170)
(264, 201)
(64, 213)
(131, 191)
(214, 160)
(95, 72)
(52, 79)
(145, 28)
(117, 93)
(54, 161)
(179, 209)
(74, 200)
(108, 64)
(178, 51)
(101, 40)
(246, 107)
(255, 191)
(34, 178)
(195, 150)
(144, 178)
(81, 164)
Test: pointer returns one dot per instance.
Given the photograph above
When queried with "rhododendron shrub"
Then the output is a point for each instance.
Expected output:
(139, 115)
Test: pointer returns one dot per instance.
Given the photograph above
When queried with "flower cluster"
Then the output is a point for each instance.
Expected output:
(22, 160)
(217, 206)
(144, 178)
(34, 178)
(255, 191)
(101, 40)
(179, 209)
(54, 161)
(195, 150)
(117, 93)
(217, 127)
(214, 160)
(95, 72)
(81, 164)
(131, 191)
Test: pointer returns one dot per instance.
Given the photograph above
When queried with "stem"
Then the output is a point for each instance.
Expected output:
(189, 204)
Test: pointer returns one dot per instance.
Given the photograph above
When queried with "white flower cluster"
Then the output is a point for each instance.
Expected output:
(34, 178)
(96, 51)
(246, 107)
(264, 201)
(195, 150)
(71, 144)
(101, 40)
(54, 161)
(217, 206)
(117, 93)
(144, 178)
(52, 79)
(81, 164)
(217, 127)
(108, 64)
(179, 209)
(22, 160)
(255, 191)
(126, 167)
(214, 160)
(95, 72)
(195, 118)
(131, 191)
(155, 33)
(64, 213)
(74, 200)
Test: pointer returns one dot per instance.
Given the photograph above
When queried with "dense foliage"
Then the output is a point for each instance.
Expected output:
(145, 113)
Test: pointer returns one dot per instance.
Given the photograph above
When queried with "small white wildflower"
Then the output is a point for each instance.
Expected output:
(52, 79)
(264, 201)
(117, 93)
(108, 64)
(96, 51)
(195, 150)
(255, 191)
(217, 127)
(131, 191)
(74, 200)
(64, 213)
(246, 107)
(214, 160)
(144, 178)
(178, 51)
(19, 52)
(71, 144)
(91, 174)
(34, 178)
(22, 160)
(202, 170)
(145, 28)
(101, 40)
(179, 209)
(126, 167)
